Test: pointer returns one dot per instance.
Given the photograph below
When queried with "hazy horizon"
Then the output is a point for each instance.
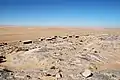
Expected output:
(96, 13)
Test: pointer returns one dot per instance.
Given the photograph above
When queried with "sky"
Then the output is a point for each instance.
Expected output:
(60, 12)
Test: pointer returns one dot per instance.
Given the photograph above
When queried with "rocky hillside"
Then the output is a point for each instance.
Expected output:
(71, 57)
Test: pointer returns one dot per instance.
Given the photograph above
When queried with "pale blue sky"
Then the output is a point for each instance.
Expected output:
(60, 12)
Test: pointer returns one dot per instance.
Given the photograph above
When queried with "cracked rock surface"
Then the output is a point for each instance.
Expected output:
(62, 58)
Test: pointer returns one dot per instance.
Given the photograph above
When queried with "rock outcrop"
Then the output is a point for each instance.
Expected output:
(61, 58)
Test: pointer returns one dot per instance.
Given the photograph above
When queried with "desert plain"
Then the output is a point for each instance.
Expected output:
(59, 53)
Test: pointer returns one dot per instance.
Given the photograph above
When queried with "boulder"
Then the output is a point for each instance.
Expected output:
(64, 37)
(2, 59)
(27, 41)
(58, 75)
(41, 39)
(54, 37)
(70, 36)
(2, 44)
(49, 39)
(76, 36)
(87, 73)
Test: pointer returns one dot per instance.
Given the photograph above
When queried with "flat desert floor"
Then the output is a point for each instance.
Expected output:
(23, 33)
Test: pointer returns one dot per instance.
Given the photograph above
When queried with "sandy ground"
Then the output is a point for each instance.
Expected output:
(22, 33)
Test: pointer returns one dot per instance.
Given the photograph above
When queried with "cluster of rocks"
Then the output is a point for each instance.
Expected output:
(22, 75)
(70, 57)
(2, 59)
(2, 44)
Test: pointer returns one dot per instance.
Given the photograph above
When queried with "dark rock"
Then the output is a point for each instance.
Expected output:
(55, 36)
(2, 59)
(48, 75)
(76, 36)
(81, 40)
(70, 36)
(95, 51)
(2, 44)
(27, 41)
(53, 67)
(7, 70)
(22, 49)
(42, 39)
(20, 41)
(29, 77)
(5, 43)
(64, 37)
(49, 39)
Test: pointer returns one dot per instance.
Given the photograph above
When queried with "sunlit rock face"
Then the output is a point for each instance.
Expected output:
(71, 57)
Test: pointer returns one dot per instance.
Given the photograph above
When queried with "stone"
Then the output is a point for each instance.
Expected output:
(76, 36)
(53, 67)
(95, 51)
(28, 76)
(61, 59)
(41, 39)
(2, 44)
(19, 76)
(5, 43)
(87, 73)
(48, 39)
(81, 40)
(27, 41)
(48, 74)
(2, 59)
(64, 37)
(21, 49)
(58, 75)
(54, 37)
(70, 36)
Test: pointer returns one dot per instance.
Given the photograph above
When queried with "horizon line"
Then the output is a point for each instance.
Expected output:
(60, 26)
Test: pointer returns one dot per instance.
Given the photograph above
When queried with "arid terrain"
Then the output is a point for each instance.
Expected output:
(23, 33)
(58, 53)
